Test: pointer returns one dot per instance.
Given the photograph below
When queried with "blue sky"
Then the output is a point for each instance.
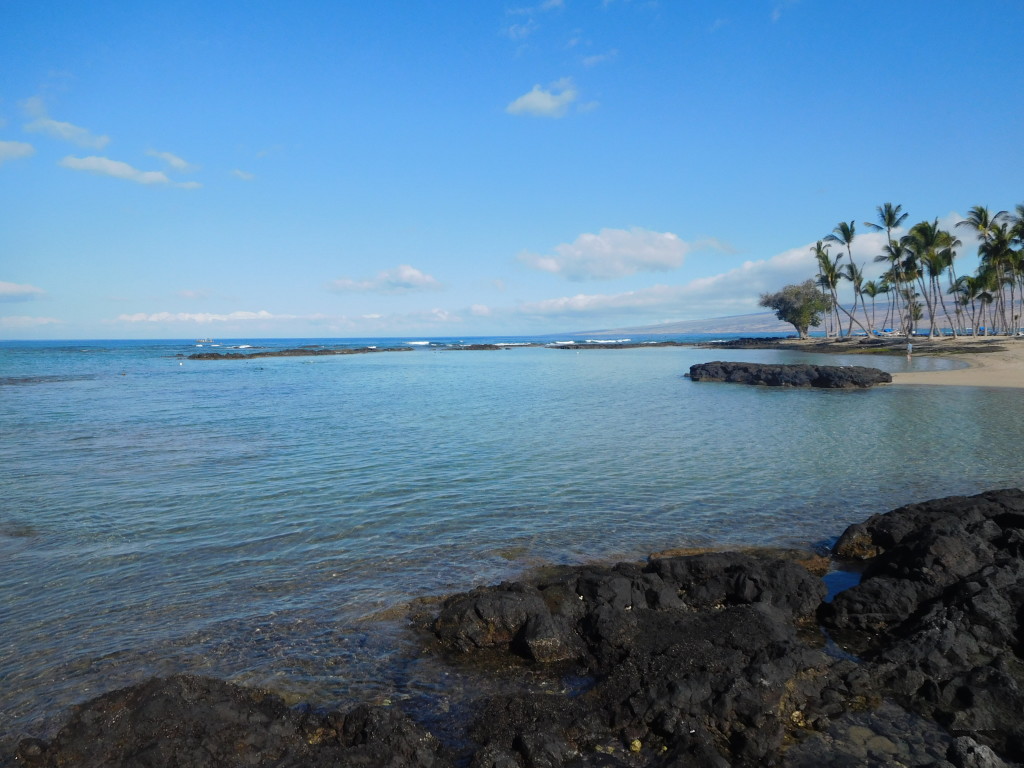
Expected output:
(186, 169)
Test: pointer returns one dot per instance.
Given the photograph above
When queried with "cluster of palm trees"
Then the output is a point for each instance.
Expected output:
(920, 273)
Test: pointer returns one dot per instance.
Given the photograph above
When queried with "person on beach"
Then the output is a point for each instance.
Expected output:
(910, 349)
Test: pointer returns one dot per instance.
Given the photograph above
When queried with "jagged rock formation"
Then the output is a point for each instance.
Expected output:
(823, 376)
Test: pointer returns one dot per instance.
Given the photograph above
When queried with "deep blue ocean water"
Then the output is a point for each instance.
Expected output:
(270, 520)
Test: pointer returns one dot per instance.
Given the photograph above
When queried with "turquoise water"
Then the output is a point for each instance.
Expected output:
(268, 520)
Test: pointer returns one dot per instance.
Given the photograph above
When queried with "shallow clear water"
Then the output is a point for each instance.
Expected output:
(265, 520)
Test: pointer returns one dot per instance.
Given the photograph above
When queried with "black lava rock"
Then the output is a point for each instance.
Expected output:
(821, 376)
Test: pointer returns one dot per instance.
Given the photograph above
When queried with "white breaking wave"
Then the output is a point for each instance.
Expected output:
(418, 343)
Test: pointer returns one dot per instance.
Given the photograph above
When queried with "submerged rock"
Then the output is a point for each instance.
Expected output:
(709, 659)
(821, 376)
(187, 721)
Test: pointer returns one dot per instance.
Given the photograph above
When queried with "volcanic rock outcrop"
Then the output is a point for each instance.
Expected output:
(822, 376)
(714, 659)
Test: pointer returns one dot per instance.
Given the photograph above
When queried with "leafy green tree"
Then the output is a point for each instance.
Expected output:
(801, 305)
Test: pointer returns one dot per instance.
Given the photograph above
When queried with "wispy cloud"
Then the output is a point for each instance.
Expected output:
(735, 291)
(43, 123)
(600, 58)
(521, 31)
(552, 101)
(104, 166)
(24, 321)
(239, 174)
(613, 253)
(175, 162)
(16, 292)
(780, 7)
(12, 150)
(200, 318)
(401, 279)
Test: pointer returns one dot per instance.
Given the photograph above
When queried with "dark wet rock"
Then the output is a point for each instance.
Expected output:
(620, 345)
(696, 660)
(887, 736)
(297, 352)
(748, 342)
(707, 659)
(819, 376)
(938, 613)
(186, 721)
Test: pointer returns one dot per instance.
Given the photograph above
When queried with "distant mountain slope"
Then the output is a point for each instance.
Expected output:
(758, 322)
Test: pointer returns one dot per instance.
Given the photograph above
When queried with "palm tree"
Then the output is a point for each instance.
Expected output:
(981, 221)
(885, 286)
(933, 251)
(890, 217)
(967, 289)
(985, 225)
(828, 277)
(843, 234)
(855, 275)
(998, 257)
(898, 274)
(873, 288)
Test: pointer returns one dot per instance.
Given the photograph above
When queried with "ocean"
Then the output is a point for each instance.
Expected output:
(270, 521)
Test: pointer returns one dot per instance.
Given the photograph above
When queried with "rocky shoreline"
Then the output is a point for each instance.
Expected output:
(296, 352)
(891, 345)
(708, 659)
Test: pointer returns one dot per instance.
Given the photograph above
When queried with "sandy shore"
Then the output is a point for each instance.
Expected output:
(992, 362)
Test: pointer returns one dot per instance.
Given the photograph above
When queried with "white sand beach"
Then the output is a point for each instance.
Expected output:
(1004, 368)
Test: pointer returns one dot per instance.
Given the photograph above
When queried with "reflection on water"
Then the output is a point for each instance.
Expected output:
(266, 520)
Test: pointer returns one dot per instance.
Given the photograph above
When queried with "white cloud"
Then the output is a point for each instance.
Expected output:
(238, 174)
(200, 317)
(104, 166)
(601, 58)
(733, 292)
(175, 162)
(401, 279)
(552, 102)
(16, 292)
(480, 310)
(522, 31)
(43, 123)
(12, 150)
(591, 304)
(24, 321)
(613, 253)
